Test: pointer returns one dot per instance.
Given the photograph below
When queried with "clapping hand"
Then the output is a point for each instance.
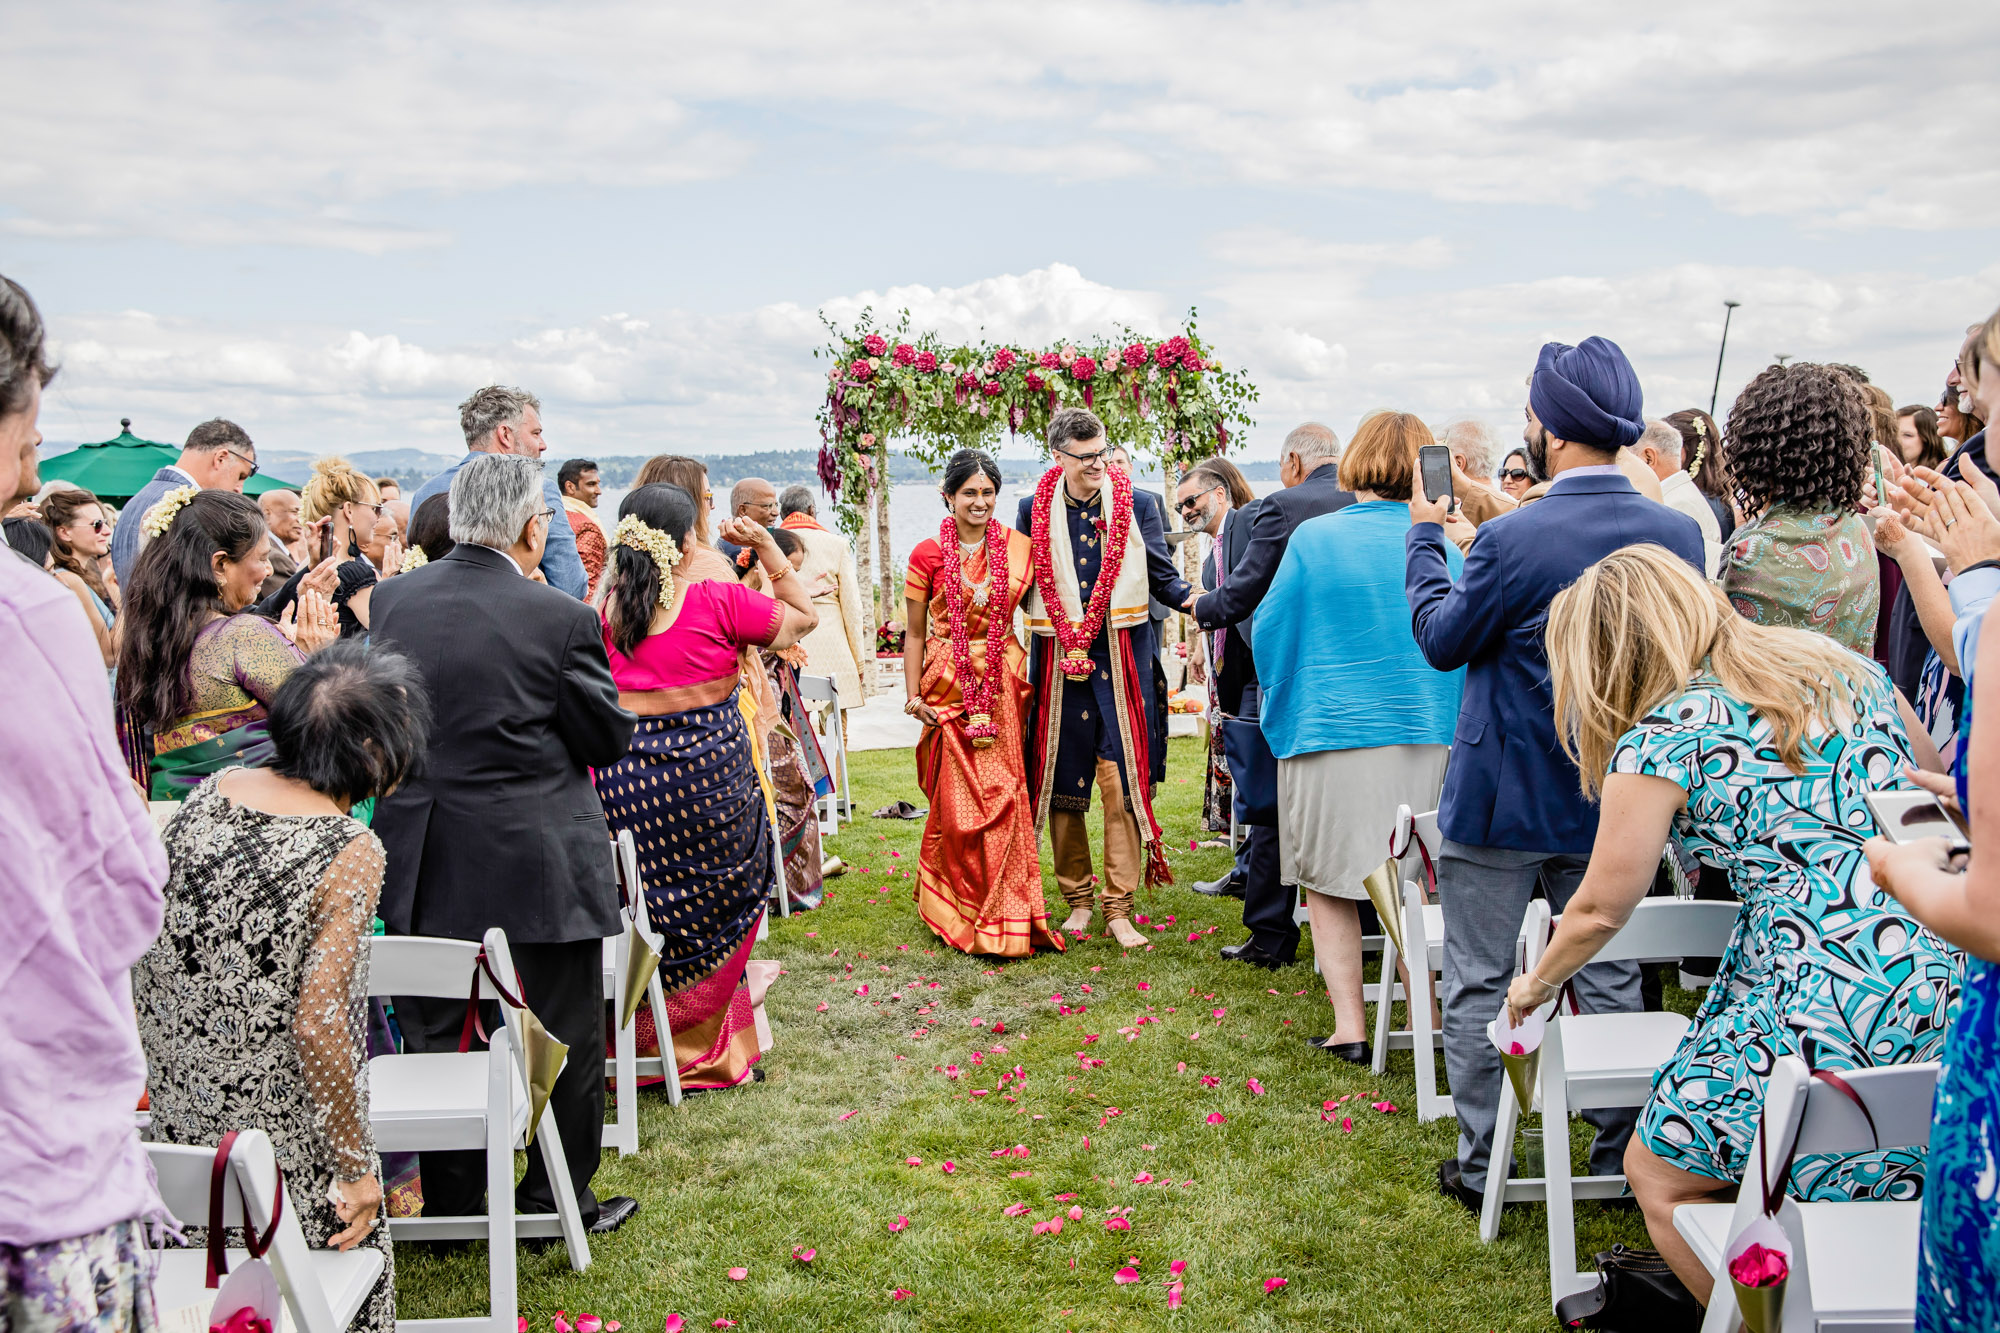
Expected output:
(392, 557)
(323, 578)
(1964, 528)
(310, 621)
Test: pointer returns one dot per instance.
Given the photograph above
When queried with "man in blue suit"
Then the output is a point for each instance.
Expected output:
(1513, 811)
(1309, 466)
(218, 456)
(1205, 505)
(499, 420)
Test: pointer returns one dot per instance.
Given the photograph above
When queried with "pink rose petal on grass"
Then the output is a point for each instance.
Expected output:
(822, 1008)
(1386, 1108)
(562, 1325)
(1256, 1088)
(900, 1294)
(1210, 1081)
(1064, 1198)
(521, 1324)
(1347, 1124)
(738, 1274)
(1015, 1209)
(1117, 1224)
(899, 1224)
(1125, 1275)
(849, 1115)
(723, 1323)
(1175, 1295)
(1145, 985)
(1052, 1227)
(1177, 1267)
(674, 1323)
(913, 1161)
(805, 1256)
(1143, 1178)
(1217, 1118)
(589, 1323)
(1076, 1212)
(1271, 1284)
(1220, 1013)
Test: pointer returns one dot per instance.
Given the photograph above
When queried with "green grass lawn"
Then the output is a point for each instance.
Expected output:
(816, 1156)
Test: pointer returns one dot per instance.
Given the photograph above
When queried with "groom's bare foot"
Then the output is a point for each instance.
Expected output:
(1127, 934)
(1078, 922)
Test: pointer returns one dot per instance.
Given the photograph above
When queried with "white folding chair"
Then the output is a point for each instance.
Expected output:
(1854, 1264)
(815, 691)
(1591, 1061)
(622, 1132)
(323, 1289)
(434, 1101)
(1423, 933)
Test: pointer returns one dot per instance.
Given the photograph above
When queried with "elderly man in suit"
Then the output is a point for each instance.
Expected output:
(218, 456)
(1512, 812)
(500, 420)
(282, 529)
(503, 827)
(1309, 467)
(1205, 505)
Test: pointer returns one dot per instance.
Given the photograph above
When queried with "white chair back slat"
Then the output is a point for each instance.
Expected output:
(422, 965)
(1898, 1097)
(1673, 928)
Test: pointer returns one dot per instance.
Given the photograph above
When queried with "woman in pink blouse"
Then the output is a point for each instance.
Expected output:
(688, 788)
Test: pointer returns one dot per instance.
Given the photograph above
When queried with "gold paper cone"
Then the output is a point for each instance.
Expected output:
(640, 960)
(1762, 1308)
(545, 1057)
(1521, 1072)
(1385, 889)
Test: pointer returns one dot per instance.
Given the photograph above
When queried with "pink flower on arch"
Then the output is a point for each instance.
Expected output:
(904, 354)
(1134, 355)
(1003, 360)
(1082, 368)
(876, 344)
(859, 370)
(926, 362)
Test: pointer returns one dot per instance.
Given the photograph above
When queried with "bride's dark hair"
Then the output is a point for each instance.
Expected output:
(963, 466)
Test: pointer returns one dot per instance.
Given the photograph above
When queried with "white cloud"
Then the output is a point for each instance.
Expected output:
(206, 122)
(706, 384)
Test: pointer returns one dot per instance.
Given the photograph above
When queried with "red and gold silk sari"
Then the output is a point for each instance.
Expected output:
(979, 877)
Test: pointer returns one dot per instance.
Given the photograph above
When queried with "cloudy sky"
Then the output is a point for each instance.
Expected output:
(331, 222)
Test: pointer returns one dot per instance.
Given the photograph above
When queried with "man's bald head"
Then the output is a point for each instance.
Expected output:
(755, 499)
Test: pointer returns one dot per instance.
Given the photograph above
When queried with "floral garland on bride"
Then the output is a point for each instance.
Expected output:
(979, 692)
(1074, 638)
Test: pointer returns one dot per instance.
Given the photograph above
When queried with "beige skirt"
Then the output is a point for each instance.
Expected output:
(1336, 809)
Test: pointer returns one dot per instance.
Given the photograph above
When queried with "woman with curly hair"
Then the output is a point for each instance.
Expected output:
(1797, 450)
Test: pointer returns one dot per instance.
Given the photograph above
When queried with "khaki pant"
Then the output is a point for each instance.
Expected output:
(1124, 853)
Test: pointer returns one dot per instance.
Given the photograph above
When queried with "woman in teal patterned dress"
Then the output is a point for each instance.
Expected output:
(1958, 1273)
(1752, 746)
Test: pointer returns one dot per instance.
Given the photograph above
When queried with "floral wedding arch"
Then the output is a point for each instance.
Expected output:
(1168, 398)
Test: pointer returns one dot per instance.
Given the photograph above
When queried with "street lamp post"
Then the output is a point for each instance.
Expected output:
(1728, 309)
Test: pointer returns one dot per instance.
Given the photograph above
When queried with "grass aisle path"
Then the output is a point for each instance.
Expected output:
(1118, 1091)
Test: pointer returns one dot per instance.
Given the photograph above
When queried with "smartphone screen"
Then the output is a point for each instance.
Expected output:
(1435, 461)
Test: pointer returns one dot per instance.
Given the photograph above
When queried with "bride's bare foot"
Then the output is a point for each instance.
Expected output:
(1078, 922)
(1127, 934)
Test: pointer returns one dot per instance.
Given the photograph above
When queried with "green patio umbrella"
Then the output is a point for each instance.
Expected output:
(118, 469)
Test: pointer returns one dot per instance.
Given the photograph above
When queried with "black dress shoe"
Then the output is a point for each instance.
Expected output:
(1227, 887)
(1354, 1052)
(1452, 1185)
(1248, 952)
(613, 1213)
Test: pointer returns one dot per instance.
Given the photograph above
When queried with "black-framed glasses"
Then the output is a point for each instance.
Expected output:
(246, 458)
(1088, 460)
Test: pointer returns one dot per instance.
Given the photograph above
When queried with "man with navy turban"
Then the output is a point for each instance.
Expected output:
(1512, 812)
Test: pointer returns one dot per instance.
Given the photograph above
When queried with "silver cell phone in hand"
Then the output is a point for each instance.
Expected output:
(1907, 816)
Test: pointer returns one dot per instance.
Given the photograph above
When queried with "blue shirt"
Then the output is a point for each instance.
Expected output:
(1339, 666)
(561, 565)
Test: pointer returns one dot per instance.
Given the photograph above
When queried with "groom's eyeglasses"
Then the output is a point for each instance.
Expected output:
(1088, 460)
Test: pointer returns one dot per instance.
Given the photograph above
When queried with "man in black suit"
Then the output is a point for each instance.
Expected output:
(1308, 465)
(1205, 505)
(502, 827)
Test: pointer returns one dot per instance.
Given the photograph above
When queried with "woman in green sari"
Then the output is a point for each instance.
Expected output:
(196, 673)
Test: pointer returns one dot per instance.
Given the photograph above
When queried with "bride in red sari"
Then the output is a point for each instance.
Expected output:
(979, 876)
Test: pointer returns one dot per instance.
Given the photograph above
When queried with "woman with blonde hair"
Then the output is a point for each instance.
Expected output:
(1753, 745)
(341, 507)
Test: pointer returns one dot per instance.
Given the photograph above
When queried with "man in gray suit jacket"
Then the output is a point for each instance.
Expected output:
(218, 456)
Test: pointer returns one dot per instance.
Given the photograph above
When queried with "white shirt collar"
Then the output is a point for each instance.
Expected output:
(511, 562)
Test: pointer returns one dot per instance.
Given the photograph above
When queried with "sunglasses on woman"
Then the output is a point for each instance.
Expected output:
(1515, 474)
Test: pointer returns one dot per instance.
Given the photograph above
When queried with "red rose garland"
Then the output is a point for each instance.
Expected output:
(979, 693)
(1075, 639)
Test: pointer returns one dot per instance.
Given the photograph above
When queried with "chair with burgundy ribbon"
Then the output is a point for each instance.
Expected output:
(487, 1100)
(632, 978)
(238, 1185)
(1404, 894)
(1845, 1265)
(1591, 1061)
